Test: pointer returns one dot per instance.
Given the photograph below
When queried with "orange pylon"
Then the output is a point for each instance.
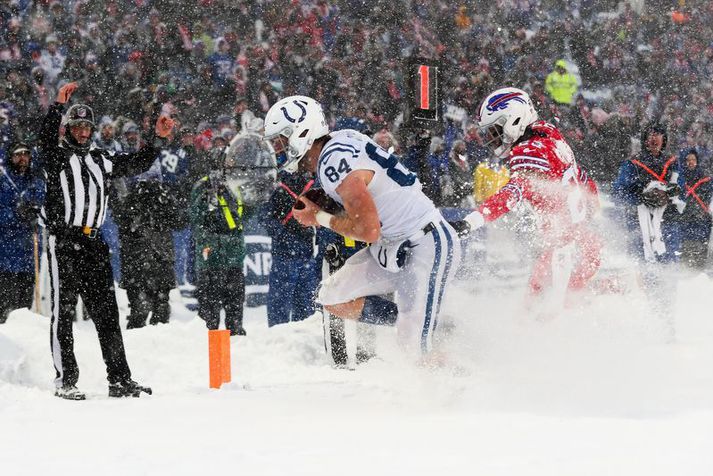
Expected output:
(219, 357)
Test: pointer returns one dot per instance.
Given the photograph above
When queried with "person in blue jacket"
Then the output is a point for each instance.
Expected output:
(21, 196)
(294, 275)
(648, 191)
(696, 218)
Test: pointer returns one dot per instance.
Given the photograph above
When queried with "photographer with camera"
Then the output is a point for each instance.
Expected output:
(21, 195)
(648, 192)
(243, 178)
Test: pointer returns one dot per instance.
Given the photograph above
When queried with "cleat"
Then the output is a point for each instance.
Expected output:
(70, 392)
(127, 388)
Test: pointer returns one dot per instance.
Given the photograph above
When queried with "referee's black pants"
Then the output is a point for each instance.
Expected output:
(80, 265)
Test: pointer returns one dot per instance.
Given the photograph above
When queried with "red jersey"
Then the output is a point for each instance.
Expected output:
(545, 173)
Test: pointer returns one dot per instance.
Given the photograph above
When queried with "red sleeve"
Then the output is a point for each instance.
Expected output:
(506, 199)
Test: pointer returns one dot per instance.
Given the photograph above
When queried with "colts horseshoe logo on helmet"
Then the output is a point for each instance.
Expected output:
(301, 105)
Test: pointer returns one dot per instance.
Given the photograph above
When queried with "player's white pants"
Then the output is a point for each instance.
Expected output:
(419, 287)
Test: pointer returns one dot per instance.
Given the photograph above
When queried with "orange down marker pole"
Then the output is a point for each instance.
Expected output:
(219, 357)
(225, 355)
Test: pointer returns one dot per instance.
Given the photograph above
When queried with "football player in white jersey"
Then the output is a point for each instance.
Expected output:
(414, 252)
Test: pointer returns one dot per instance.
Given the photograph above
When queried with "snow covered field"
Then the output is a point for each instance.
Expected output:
(596, 391)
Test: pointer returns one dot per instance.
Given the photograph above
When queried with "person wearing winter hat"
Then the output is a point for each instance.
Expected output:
(648, 191)
(78, 174)
(21, 195)
(561, 85)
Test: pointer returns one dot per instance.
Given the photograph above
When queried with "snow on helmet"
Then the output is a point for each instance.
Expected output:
(503, 118)
(292, 125)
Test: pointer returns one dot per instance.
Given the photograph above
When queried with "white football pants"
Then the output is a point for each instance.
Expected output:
(419, 287)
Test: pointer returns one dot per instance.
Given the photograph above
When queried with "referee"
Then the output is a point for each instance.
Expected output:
(77, 176)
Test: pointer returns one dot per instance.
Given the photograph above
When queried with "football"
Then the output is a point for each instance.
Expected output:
(321, 199)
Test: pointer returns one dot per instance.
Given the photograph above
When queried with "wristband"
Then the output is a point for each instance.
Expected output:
(323, 218)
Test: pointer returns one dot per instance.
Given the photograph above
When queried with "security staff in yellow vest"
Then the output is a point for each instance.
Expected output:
(561, 85)
(217, 213)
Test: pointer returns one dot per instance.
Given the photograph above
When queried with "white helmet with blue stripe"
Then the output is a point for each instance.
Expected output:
(504, 116)
(292, 125)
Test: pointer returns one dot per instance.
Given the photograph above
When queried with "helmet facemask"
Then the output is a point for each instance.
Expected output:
(493, 137)
(280, 144)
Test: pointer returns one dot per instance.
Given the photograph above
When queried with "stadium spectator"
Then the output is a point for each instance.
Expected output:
(21, 196)
(696, 219)
(645, 190)
(130, 137)
(387, 141)
(561, 85)
(457, 182)
(648, 193)
(178, 162)
(52, 60)
(147, 251)
(243, 115)
(438, 161)
(294, 275)
(104, 137)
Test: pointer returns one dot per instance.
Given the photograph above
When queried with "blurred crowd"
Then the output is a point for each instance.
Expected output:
(598, 69)
(628, 63)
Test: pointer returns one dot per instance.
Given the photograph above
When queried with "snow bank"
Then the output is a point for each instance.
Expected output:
(11, 361)
(595, 390)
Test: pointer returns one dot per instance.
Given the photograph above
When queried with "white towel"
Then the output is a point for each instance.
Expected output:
(650, 220)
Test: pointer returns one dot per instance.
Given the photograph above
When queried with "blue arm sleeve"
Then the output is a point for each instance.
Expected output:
(626, 189)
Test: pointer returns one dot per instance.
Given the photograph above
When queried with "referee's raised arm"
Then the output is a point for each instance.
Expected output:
(49, 131)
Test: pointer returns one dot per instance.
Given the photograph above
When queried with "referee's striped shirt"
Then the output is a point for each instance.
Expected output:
(78, 179)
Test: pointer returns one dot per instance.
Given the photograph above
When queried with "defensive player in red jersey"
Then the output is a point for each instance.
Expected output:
(545, 173)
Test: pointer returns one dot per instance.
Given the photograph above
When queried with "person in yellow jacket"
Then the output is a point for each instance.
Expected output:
(561, 85)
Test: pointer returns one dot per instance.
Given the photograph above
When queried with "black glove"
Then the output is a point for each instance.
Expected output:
(461, 227)
(673, 190)
(28, 212)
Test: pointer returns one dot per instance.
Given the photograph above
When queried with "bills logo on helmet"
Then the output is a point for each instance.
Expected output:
(81, 112)
(501, 101)
(301, 105)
